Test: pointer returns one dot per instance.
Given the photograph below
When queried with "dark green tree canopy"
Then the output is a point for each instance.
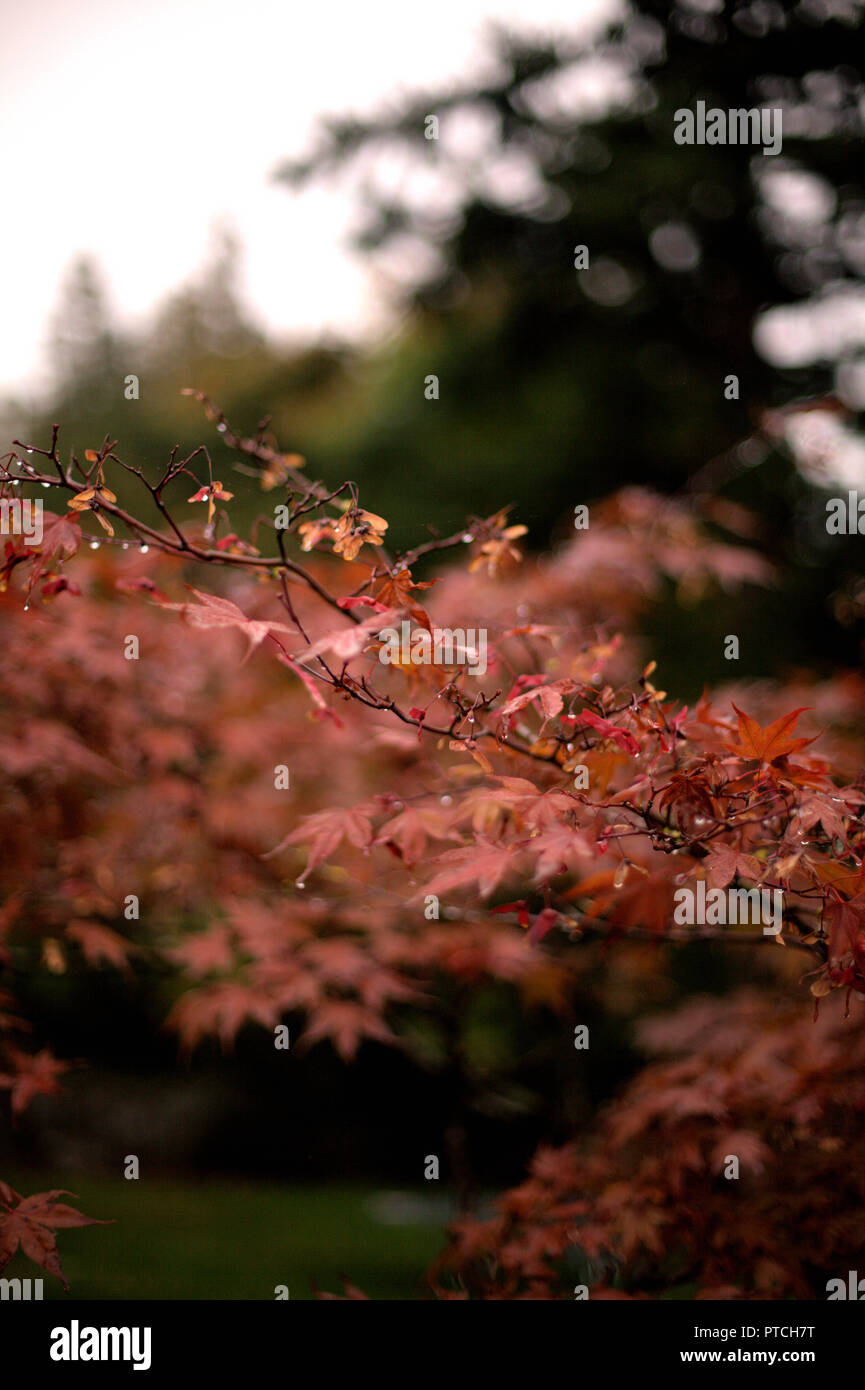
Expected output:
(573, 144)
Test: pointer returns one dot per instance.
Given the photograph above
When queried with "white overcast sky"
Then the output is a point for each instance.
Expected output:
(130, 129)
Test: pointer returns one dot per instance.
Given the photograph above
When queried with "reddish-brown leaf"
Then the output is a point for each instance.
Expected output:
(771, 743)
(30, 1222)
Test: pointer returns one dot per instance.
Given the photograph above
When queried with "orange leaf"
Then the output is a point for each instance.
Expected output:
(771, 743)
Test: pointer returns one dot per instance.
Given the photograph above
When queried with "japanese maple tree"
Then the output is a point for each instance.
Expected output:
(458, 827)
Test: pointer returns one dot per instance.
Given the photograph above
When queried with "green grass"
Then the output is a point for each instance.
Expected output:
(231, 1240)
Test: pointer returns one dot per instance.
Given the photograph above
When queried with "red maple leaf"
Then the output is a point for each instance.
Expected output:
(551, 697)
(221, 1008)
(99, 944)
(488, 865)
(411, 831)
(28, 1221)
(362, 601)
(61, 535)
(34, 1075)
(205, 952)
(828, 810)
(347, 643)
(724, 863)
(609, 730)
(346, 1023)
(326, 830)
(214, 611)
(559, 849)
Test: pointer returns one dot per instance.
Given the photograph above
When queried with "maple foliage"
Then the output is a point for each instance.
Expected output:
(549, 806)
(31, 1075)
(643, 1201)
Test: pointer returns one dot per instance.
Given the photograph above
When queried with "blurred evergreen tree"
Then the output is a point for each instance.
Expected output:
(616, 373)
(205, 319)
(84, 348)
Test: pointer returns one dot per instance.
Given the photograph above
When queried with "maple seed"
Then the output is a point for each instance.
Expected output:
(354, 529)
(89, 499)
(207, 494)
